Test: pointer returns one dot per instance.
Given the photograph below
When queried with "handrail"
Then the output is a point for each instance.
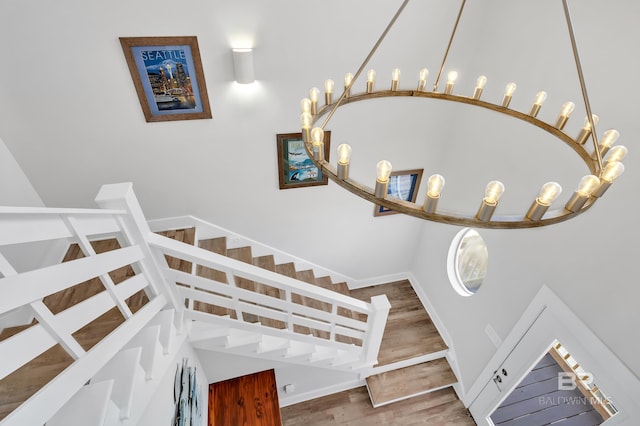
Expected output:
(58, 211)
(245, 301)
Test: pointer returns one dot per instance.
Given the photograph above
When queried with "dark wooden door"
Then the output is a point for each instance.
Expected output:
(250, 400)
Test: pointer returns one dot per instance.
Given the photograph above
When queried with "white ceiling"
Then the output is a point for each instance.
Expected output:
(70, 116)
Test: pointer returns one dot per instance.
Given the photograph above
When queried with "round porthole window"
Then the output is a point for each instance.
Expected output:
(467, 262)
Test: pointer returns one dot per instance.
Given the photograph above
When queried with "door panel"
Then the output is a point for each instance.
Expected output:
(527, 353)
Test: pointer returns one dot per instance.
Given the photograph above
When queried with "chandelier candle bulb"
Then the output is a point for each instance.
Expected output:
(313, 96)
(617, 153)
(348, 80)
(451, 81)
(383, 171)
(395, 79)
(328, 91)
(565, 111)
(317, 143)
(610, 173)
(588, 184)
(508, 94)
(305, 105)
(608, 139)
(434, 189)
(603, 160)
(586, 129)
(306, 119)
(548, 193)
(492, 194)
(482, 80)
(371, 80)
(344, 157)
(422, 79)
(537, 104)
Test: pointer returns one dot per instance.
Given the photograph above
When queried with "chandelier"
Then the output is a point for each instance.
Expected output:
(603, 160)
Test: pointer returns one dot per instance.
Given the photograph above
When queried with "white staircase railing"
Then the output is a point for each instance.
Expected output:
(120, 216)
(26, 290)
(251, 304)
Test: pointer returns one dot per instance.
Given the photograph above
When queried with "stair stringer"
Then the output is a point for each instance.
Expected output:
(300, 350)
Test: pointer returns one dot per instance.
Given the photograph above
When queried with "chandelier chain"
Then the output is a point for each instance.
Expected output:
(365, 62)
(446, 53)
(583, 86)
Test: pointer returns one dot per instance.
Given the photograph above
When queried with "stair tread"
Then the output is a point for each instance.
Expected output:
(287, 269)
(187, 236)
(267, 262)
(409, 381)
(216, 245)
(219, 246)
(307, 276)
(242, 254)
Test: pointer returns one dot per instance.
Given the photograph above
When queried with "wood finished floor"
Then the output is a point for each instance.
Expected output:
(409, 332)
(353, 408)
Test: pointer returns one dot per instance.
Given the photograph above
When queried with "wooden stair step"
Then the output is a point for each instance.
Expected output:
(218, 246)
(287, 269)
(308, 276)
(267, 262)
(403, 383)
(242, 254)
(343, 288)
(187, 236)
(10, 331)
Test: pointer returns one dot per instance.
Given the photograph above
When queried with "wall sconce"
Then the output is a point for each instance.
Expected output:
(243, 65)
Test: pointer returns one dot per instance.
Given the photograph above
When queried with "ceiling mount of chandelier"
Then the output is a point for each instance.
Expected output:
(603, 161)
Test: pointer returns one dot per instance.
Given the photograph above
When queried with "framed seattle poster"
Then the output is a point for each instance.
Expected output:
(403, 185)
(168, 77)
(295, 168)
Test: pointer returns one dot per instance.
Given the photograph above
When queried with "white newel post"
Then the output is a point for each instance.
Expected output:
(376, 324)
(136, 229)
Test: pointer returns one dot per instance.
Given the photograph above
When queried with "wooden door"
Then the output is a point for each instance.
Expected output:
(250, 400)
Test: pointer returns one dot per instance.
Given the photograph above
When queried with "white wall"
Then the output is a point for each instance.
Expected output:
(160, 410)
(15, 187)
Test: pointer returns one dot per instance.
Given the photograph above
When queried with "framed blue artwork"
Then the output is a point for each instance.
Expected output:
(403, 185)
(295, 168)
(168, 77)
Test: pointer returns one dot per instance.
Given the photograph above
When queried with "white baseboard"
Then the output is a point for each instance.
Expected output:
(382, 279)
(286, 400)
